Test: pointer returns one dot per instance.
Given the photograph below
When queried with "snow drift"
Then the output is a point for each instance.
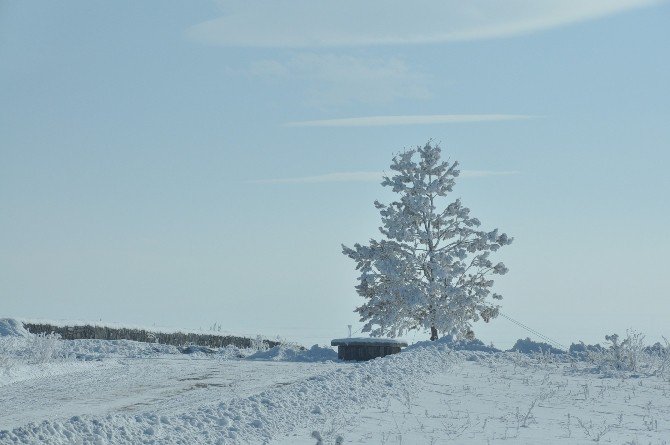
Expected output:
(295, 354)
(10, 327)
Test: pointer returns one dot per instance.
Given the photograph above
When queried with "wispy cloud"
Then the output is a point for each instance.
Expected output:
(366, 176)
(308, 23)
(334, 79)
(379, 121)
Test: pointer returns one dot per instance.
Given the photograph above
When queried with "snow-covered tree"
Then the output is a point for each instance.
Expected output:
(432, 269)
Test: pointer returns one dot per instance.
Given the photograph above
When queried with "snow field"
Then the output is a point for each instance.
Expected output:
(258, 418)
(518, 399)
(123, 392)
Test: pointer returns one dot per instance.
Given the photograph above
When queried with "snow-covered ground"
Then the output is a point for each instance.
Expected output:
(161, 385)
(121, 392)
(484, 398)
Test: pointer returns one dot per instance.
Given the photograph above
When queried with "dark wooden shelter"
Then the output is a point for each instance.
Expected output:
(361, 349)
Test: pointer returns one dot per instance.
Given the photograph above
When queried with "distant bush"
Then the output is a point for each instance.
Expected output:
(42, 348)
(657, 348)
(467, 345)
(581, 350)
(629, 355)
(529, 346)
(661, 354)
(259, 344)
(7, 359)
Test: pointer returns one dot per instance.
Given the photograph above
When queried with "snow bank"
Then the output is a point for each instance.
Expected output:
(91, 349)
(295, 354)
(23, 355)
(10, 327)
(455, 345)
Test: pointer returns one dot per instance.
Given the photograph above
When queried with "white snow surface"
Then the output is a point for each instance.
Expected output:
(205, 400)
(123, 392)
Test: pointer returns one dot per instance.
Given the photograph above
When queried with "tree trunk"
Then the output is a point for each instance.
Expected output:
(433, 333)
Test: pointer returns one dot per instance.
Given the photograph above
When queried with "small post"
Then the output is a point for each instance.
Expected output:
(349, 326)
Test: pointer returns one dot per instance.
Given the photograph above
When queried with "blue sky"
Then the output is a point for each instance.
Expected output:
(185, 163)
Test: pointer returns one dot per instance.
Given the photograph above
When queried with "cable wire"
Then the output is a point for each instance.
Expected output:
(533, 331)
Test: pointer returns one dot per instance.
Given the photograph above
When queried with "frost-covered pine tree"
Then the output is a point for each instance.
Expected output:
(432, 270)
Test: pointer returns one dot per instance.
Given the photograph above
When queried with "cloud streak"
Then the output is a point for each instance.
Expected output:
(335, 79)
(306, 23)
(384, 121)
(366, 176)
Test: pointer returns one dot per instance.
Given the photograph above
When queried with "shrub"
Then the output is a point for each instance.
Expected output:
(467, 345)
(582, 349)
(42, 348)
(622, 355)
(529, 346)
(7, 359)
(259, 344)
